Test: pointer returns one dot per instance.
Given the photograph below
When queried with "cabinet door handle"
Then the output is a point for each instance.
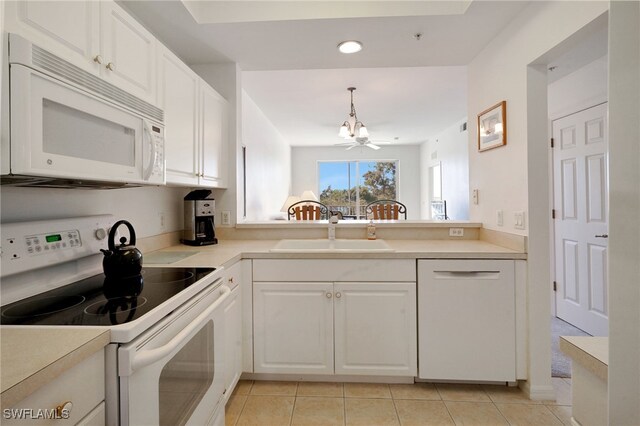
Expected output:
(97, 59)
(110, 66)
(602, 236)
(329, 295)
(338, 295)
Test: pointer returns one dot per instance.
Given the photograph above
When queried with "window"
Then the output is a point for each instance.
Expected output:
(348, 186)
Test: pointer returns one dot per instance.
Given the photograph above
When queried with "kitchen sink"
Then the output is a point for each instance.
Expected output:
(348, 246)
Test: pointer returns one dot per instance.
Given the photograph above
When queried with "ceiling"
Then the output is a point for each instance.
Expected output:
(406, 88)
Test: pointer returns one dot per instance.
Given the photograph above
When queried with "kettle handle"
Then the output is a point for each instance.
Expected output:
(112, 234)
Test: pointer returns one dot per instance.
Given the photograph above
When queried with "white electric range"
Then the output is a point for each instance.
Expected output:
(164, 360)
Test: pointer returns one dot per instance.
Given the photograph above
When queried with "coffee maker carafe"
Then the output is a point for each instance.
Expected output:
(199, 212)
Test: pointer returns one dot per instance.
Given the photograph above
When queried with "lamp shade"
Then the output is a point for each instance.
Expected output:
(291, 200)
(308, 195)
(344, 131)
(363, 133)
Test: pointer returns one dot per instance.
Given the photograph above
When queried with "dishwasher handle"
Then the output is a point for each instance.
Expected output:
(146, 357)
(463, 275)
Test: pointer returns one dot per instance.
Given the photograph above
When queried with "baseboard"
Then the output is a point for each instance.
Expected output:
(538, 393)
(326, 378)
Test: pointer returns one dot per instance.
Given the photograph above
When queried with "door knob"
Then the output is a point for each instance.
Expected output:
(602, 236)
(329, 295)
(338, 295)
(97, 59)
(110, 66)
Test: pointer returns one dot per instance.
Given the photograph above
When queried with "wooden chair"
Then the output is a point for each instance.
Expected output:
(387, 209)
(308, 210)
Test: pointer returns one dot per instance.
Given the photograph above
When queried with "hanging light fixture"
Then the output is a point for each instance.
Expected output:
(352, 127)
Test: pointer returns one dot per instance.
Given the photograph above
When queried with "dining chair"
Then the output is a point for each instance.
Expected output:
(387, 209)
(308, 210)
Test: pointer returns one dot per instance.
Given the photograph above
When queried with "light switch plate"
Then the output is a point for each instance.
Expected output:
(519, 220)
(499, 218)
(474, 195)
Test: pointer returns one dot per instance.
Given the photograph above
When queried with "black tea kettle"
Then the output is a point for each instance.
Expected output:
(124, 260)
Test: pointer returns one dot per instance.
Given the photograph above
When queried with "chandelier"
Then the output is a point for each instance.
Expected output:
(352, 127)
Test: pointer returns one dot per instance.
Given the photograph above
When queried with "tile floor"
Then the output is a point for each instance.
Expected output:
(306, 403)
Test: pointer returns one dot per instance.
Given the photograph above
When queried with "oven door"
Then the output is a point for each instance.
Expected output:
(60, 131)
(173, 374)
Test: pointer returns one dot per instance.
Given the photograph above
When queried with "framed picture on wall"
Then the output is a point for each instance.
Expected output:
(492, 127)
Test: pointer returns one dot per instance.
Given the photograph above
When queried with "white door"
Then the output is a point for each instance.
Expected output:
(581, 196)
(375, 329)
(48, 25)
(214, 137)
(129, 52)
(293, 327)
(233, 340)
(178, 92)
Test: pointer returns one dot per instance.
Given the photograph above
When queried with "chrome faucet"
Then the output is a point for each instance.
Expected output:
(333, 220)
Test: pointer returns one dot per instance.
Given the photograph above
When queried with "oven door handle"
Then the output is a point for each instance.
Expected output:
(146, 357)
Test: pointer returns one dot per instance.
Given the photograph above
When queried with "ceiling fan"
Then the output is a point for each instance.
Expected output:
(355, 131)
(362, 141)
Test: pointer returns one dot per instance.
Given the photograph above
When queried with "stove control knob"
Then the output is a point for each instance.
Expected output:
(101, 233)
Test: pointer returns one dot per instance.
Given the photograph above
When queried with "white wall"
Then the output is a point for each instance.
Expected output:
(450, 148)
(581, 89)
(268, 163)
(624, 203)
(304, 170)
(515, 177)
(140, 206)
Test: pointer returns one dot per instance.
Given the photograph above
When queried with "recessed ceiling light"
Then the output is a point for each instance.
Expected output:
(350, 46)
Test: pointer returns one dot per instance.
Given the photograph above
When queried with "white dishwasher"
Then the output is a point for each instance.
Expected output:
(466, 320)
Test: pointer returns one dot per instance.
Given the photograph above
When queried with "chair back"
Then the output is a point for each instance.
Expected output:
(387, 209)
(308, 210)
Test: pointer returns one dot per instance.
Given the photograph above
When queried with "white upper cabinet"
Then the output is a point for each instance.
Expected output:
(98, 37)
(129, 52)
(214, 128)
(47, 24)
(196, 126)
(178, 92)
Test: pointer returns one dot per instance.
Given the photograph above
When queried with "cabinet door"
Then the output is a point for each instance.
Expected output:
(69, 29)
(129, 52)
(466, 317)
(213, 127)
(293, 327)
(375, 329)
(233, 340)
(178, 90)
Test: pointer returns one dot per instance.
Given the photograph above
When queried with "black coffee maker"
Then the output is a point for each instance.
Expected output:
(199, 212)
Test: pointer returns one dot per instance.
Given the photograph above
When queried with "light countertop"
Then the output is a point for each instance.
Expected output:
(228, 252)
(590, 352)
(33, 356)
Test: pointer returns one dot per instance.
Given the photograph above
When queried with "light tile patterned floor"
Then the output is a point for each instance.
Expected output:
(304, 403)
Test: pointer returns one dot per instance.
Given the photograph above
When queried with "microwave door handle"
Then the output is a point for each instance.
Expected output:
(148, 140)
(146, 357)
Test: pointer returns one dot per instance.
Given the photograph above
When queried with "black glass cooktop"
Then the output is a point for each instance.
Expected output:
(98, 300)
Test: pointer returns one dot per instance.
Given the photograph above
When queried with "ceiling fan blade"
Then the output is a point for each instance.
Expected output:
(344, 144)
(352, 146)
(372, 146)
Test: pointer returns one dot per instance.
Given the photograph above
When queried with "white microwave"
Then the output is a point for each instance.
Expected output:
(69, 127)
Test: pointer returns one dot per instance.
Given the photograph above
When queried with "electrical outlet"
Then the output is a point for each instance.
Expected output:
(475, 196)
(226, 217)
(499, 218)
(519, 220)
(163, 221)
(456, 232)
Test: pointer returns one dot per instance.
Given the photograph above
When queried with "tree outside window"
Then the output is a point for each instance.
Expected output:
(348, 186)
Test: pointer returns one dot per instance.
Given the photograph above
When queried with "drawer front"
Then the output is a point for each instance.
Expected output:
(372, 270)
(83, 385)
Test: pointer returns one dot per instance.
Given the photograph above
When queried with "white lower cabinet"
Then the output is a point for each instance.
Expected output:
(78, 392)
(347, 328)
(467, 320)
(233, 326)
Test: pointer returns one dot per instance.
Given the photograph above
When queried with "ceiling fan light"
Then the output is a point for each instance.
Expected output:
(363, 132)
(344, 131)
(350, 46)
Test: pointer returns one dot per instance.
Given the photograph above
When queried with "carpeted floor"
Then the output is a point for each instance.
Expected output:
(560, 363)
